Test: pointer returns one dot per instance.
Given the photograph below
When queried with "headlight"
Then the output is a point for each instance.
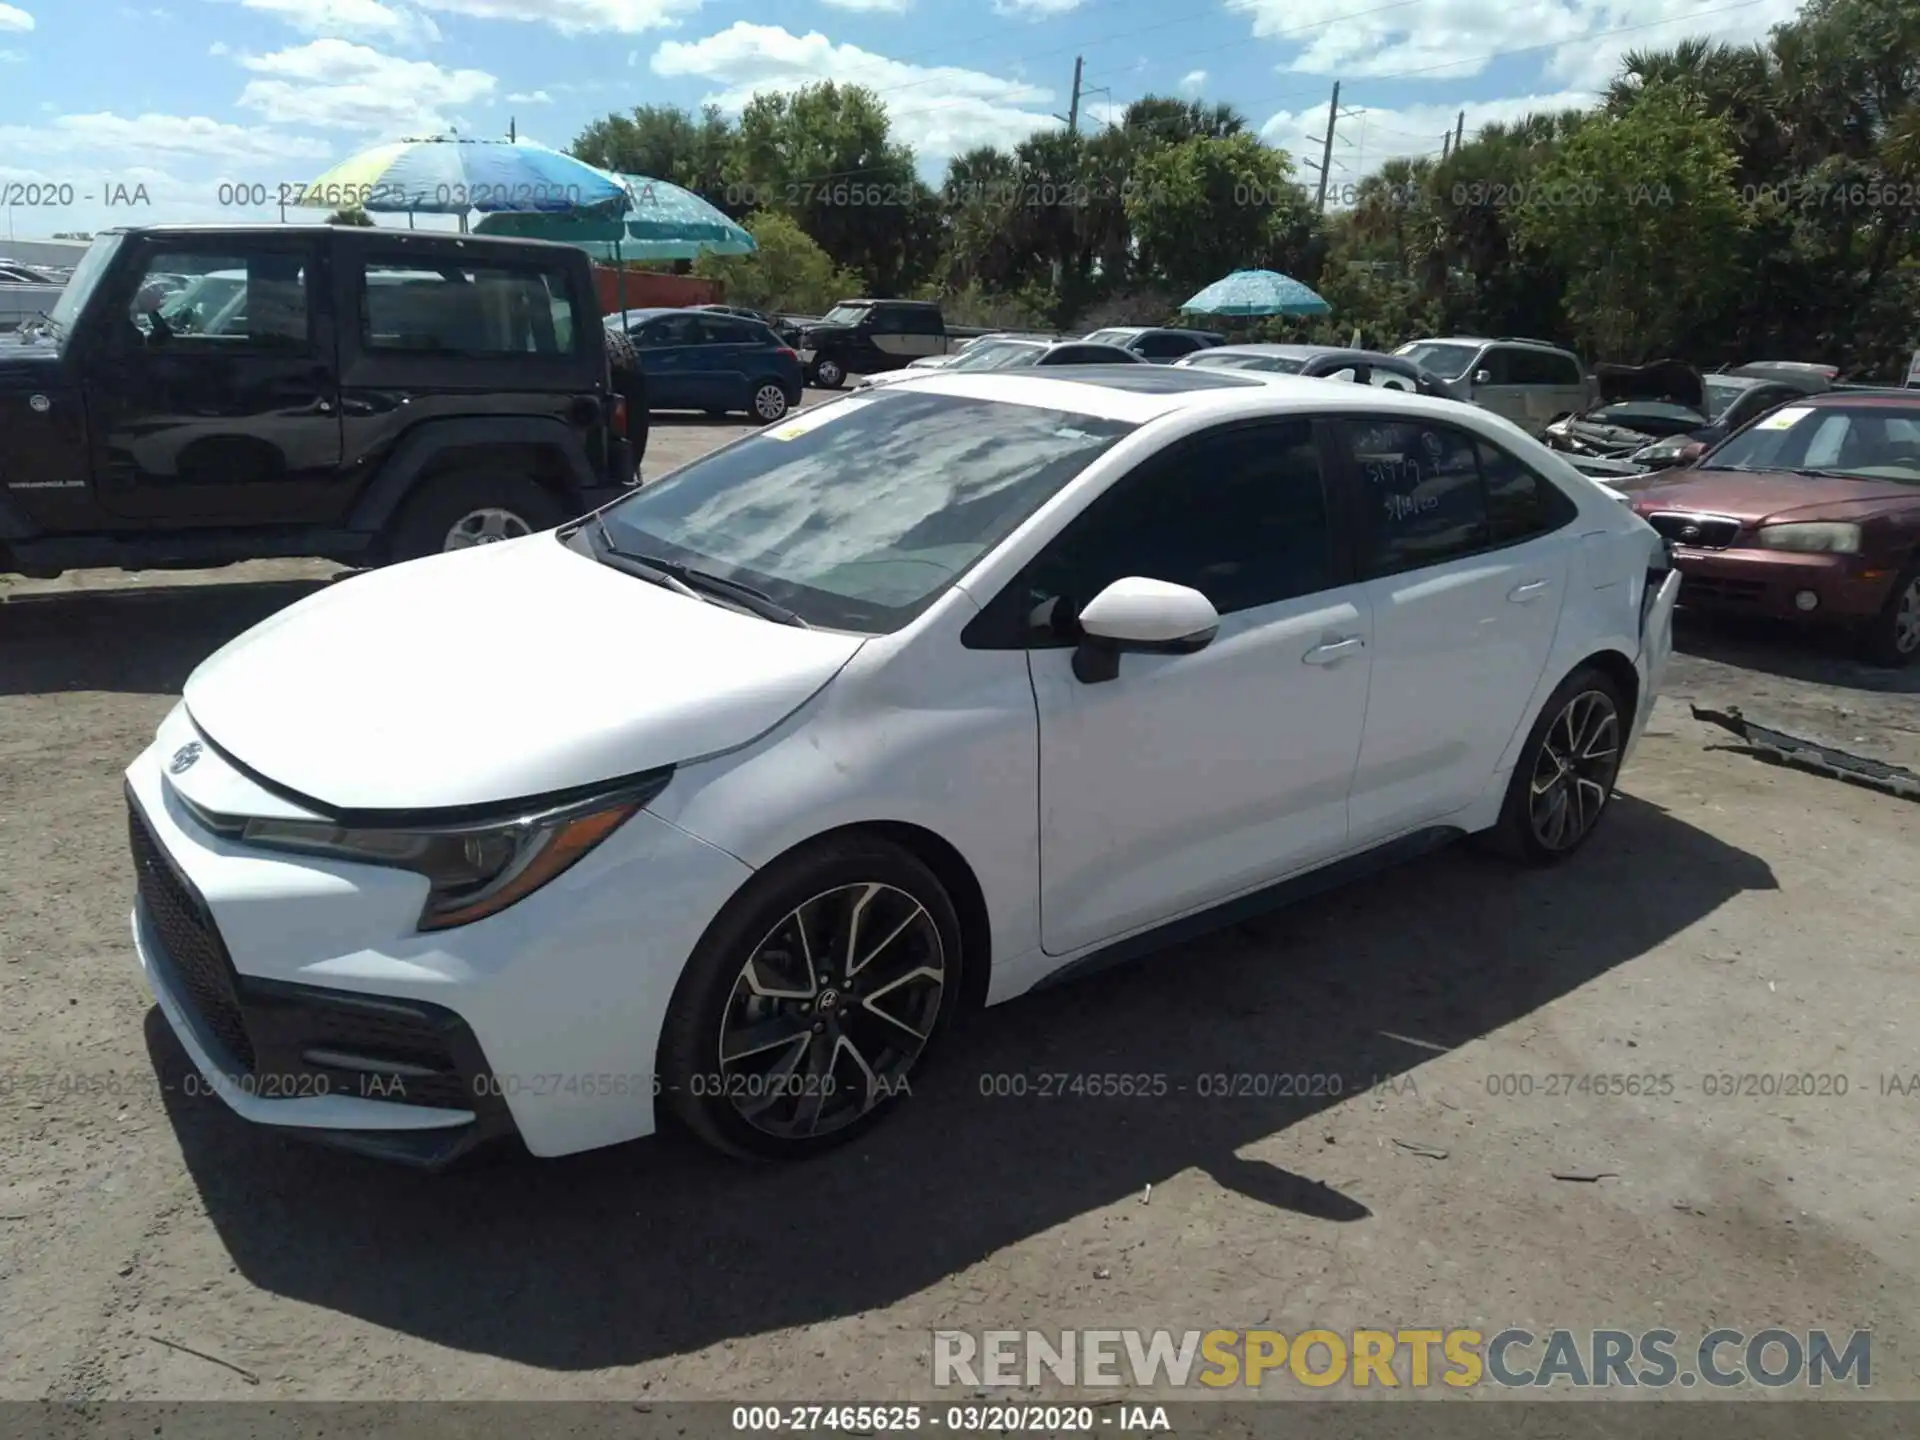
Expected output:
(1662, 449)
(1823, 538)
(474, 869)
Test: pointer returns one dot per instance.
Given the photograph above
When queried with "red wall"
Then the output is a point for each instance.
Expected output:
(644, 289)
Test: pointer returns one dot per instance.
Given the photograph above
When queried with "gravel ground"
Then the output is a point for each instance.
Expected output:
(1734, 917)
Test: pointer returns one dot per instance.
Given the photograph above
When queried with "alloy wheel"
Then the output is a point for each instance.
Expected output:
(831, 1011)
(487, 526)
(1574, 771)
(1906, 619)
(829, 374)
(769, 402)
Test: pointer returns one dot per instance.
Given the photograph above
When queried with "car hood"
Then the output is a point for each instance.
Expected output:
(1670, 380)
(1751, 496)
(495, 674)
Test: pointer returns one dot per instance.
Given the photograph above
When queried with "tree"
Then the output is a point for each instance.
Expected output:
(788, 272)
(1205, 207)
(1640, 211)
(664, 142)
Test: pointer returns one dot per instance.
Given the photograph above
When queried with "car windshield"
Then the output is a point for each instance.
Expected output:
(845, 315)
(1109, 337)
(84, 281)
(1722, 393)
(1439, 357)
(858, 514)
(997, 355)
(1872, 442)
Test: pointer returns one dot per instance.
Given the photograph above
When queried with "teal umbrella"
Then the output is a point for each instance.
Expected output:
(1256, 292)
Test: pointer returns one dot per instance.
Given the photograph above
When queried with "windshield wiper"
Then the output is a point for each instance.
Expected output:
(686, 580)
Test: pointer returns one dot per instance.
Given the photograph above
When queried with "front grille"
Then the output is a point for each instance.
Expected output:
(1719, 590)
(189, 940)
(1700, 532)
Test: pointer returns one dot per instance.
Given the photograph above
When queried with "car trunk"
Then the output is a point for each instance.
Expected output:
(1637, 404)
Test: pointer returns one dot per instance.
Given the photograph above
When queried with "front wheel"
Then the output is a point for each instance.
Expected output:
(829, 373)
(1892, 638)
(460, 510)
(811, 1002)
(1563, 781)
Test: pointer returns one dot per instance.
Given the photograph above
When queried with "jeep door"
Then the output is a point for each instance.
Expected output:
(226, 413)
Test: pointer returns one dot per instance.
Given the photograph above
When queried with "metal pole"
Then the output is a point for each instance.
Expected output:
(1459, 129)
(1326, 153)
(1073, 109)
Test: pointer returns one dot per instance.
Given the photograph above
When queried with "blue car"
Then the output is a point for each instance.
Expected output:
(722, 364)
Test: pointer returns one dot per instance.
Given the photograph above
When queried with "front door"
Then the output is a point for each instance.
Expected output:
(668, 348)
(217, 402)
(1189, 779)
(1465, 554)
(1495, 389)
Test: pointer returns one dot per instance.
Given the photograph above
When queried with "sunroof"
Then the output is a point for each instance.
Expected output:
(1154, 379)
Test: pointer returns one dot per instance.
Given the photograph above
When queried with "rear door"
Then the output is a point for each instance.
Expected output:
(1465, 556)
(229, 413)
(725, 356)
(922, 332)
(668, 349)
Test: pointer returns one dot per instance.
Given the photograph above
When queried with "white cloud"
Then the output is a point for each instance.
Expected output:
(1580, 40)
(1194, 81)
(335, 85)
(1035, 9)
(575, 17)
(1367, 140)
(351, 19)
(940, 110)
(12, 17)
(530, 97)
(893, 7)
(121, 141)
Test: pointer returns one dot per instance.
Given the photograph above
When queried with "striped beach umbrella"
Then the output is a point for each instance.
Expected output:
(453, 175)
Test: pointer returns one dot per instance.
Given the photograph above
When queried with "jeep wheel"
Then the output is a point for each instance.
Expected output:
(461, 510)
(829, 373)
(769, 402)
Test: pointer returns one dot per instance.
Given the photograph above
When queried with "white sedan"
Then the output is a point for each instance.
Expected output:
(925, 698)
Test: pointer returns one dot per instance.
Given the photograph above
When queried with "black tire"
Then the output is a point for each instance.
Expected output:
(426, 521)
(710, 1091)
(762, 406)
(1892, 638)
(828, 372)
(1576, 718)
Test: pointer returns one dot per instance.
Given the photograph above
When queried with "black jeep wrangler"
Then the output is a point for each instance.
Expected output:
(201, 395)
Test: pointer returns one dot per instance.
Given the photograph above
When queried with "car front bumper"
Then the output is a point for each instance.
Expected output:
(307, 999)
(1769, 582)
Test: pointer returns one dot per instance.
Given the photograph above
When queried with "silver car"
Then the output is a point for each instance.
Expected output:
(1530, 382)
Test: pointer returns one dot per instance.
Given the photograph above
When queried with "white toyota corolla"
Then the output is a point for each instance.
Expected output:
(931, 695)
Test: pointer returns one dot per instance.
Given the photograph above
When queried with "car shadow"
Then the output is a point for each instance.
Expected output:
(1787, 651)
(655, 1248)
(138, 640)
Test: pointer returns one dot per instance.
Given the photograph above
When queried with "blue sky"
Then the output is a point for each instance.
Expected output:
(181, 97)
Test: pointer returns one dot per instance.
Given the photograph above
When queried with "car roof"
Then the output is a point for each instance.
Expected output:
(1892, 397)
(444, 239)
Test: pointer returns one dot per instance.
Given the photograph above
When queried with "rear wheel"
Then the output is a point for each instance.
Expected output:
(1892, 638)
(829, 373)
(1563, 780)
(460, 510)
(769, 401)
(812, 1000)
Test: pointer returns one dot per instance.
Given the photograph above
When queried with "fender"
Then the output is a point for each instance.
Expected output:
(422, 445)
(13, 524)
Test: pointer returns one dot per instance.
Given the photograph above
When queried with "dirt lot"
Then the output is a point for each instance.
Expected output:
(1734, 918)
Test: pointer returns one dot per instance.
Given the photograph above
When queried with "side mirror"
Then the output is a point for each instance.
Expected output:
(1144, 616)
(1483, 377)
(1692, 451)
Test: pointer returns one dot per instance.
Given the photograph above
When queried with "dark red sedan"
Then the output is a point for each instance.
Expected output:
(1811, 512)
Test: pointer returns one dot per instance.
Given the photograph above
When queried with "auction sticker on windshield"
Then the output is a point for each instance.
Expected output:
(810, 420)
(1784, 419)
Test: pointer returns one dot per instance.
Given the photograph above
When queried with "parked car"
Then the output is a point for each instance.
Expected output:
(787, 329)
(1158, 343)
(26, 291)
(869, 337)
(1666, 413)
(1327, 362)
(1002, 353)
(1531, 382)
(1810, 513)
(747, 875)
(720, 364)
(317, 410)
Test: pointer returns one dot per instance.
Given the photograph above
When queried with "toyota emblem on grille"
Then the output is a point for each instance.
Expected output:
(184, 758)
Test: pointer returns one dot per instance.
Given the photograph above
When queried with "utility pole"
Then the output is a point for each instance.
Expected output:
(1326, 153)
(513, 131)
(1072, 116)
(1459, 129)
(1446, 144)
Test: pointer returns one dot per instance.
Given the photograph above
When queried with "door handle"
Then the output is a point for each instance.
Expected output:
(1333, 651)
(1532, 590)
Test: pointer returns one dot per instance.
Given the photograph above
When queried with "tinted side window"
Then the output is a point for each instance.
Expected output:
(1423, 503)
(1566, 371)
(1239, 515)
(222, 302)
(1520, 504)
(884, 320)
(725, 330)
(922, 320)
(669, 330)
(1497, 364)
(467, 310)
(1165, 346)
